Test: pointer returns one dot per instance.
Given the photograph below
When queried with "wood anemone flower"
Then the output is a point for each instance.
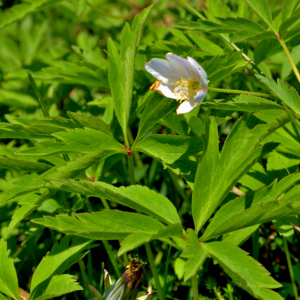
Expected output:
(179, 78)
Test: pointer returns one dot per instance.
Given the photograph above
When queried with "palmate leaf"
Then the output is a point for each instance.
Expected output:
(19, 11)
(245, 271)
(284, 91)
(8, 274)
(195, 253)
(137, 239)
(104, 225)
(56, 286)
(61, 257)
(246, 207)
(157, 108)
(169, 148)
(239, 153)
(140, 198)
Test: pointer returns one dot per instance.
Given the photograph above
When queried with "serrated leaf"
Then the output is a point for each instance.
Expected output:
(240, 207)
(169, 148)
(157, 108)
(244, 270)
(284, 91)
(261, 7)
(140, 198)
(23, 165)
(62, 256)
(104, 225)
(8, 274)
(56, 286)
(195, 253)
(249, 36)
(239, 153)
(19, 11)
(137, 239)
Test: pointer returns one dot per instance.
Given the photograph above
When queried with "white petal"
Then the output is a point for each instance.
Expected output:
(161, 69)
(199, 97)
(186, 106)
(168, 91)
(199, 69)
(182, 61)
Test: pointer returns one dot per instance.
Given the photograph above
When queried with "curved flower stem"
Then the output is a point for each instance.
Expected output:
(286, 50)
(224, 37)
(240, 92)
(154, 271)
(195, 287)
(288, 258)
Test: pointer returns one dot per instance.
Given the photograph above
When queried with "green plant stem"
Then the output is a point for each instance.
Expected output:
(131, 169)
(154, 271)
(135, 153)
(288, 258)
(228, 91)
(166, 273)
(224, 37)
(105, 204)
(82, 270)
(195, 287)
(255, 244)
(286, 50)
(111, 257)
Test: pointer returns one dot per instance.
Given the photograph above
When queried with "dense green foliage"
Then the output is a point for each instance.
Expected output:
(94, 165)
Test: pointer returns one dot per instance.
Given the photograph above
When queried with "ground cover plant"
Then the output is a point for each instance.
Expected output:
(149, 149)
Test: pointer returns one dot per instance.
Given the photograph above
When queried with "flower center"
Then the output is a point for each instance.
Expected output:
(193, 85)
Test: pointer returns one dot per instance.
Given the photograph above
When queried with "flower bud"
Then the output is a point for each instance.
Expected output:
(127, 286)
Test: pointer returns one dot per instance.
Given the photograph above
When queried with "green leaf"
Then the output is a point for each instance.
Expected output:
(285, 228)
(261, 7)
(243, 103)
(288, 23)
(8, 274)
(104, 225)
(61, 257)
(244, 270)
(72, 168)
(157, 108)
(18, 100)
(137, 239)
(169, 148)
(249, 36)
(19, 11)
(241, 150)
(287, 9)
(90, 122)
(284, 91)
(2, 297)
(56, 286)
(247, 208)
(81, 7)
(140, 198)
(195, 253)
(23, 165)
(205, 171)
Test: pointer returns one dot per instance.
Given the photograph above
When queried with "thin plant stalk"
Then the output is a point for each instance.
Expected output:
(255, 244)
(111, 257)
(195, 287)
(286, 50)
(229, 91)
(166, 273)
(154, 271)
(288, 258)
(131, 169)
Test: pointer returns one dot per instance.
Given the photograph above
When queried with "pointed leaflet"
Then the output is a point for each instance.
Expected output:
(137, 197)
(169, 148)
(104, 225)
(157, 108)
(8, 274)
(195, 253)
(242, 211)
(139, 238)
(287, 9)
(261, 7)
(60, 258)
(23, 165)
(205, 171)
(284, 91)
(239, 153)
(245, 271)
(56, 286)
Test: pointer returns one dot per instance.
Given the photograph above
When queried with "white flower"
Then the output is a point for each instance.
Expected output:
(181, 79)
